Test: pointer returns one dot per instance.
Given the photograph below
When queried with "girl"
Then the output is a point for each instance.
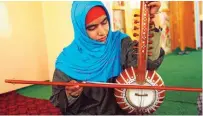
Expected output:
(97, 54)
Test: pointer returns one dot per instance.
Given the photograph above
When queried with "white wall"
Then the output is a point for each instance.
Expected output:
(197, 24)
(58, 29)
(23, 52)
(38, 32)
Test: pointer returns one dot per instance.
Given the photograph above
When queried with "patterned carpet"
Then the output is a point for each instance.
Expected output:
(12, 103)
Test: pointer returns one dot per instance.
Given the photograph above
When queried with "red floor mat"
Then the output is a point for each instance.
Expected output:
(14, 103)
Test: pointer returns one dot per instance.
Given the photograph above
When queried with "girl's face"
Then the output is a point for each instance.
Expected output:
(98, 29)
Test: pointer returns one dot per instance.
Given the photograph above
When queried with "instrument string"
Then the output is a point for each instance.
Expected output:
(141, 92)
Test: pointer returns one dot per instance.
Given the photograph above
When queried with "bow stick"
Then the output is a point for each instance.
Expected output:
(105, 85)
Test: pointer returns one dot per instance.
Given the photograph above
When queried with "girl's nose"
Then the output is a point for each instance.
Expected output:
(101, 31)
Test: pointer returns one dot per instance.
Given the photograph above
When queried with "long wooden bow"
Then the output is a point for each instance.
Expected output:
(105, 85)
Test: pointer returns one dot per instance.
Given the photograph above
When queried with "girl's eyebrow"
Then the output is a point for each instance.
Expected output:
(104, 19)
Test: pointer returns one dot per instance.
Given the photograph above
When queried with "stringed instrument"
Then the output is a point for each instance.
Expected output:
(138, 90)
(135, 101)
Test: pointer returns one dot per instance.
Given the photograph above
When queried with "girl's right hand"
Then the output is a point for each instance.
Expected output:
(73, 91)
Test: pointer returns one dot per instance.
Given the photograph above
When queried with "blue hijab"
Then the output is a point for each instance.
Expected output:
(86, 59)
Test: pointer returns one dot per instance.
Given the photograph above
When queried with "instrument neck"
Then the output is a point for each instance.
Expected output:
(143, 42)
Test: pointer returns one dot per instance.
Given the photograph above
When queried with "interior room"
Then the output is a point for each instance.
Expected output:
(33, 33)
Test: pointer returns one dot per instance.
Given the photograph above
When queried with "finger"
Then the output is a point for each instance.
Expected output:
(151, 35)
(151, 29)
(68, 92)
(151, 23)
(77, 93)
(152, 16)
(149, 48)
(150, 42)
(73, 81)
(75, 86)
(149, 53)
(154, 7)
(156, 4)
(147, 2)
(72, 88)
(74, 92)
(79, 90)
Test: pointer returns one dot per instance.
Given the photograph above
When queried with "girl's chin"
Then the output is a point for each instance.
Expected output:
(103, 41)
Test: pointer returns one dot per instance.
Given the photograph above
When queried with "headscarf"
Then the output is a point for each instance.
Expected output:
(94, 13)
(86, 59)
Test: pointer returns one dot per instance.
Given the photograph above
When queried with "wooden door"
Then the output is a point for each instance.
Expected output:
(182, 25)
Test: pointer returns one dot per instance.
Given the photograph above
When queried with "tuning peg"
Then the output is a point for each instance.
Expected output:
(136, 21)
(151, 35)
(149, 48)
(135, 34)
(149, 53)
(135, 28)
(150, 42)
(151, 23)
(136, 15)
(151, 26)
(152, 16)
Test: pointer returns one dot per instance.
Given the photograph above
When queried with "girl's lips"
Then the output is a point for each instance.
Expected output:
(102, 39)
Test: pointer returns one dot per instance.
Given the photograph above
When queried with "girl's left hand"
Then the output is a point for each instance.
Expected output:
(154, 6)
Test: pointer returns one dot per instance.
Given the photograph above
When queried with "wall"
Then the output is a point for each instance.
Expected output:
(23, 52)
(58, 29)
(200, 9)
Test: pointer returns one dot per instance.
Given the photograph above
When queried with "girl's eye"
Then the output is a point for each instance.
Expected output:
(91, 28)
(104, 21)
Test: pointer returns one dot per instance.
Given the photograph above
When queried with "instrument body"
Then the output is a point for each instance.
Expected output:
(136, 101)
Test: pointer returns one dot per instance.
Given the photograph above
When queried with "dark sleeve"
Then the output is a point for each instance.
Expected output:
(129, 56)
(59, 97)
(154, 65)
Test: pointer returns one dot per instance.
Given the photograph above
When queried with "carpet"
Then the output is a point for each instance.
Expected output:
(12, 103)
